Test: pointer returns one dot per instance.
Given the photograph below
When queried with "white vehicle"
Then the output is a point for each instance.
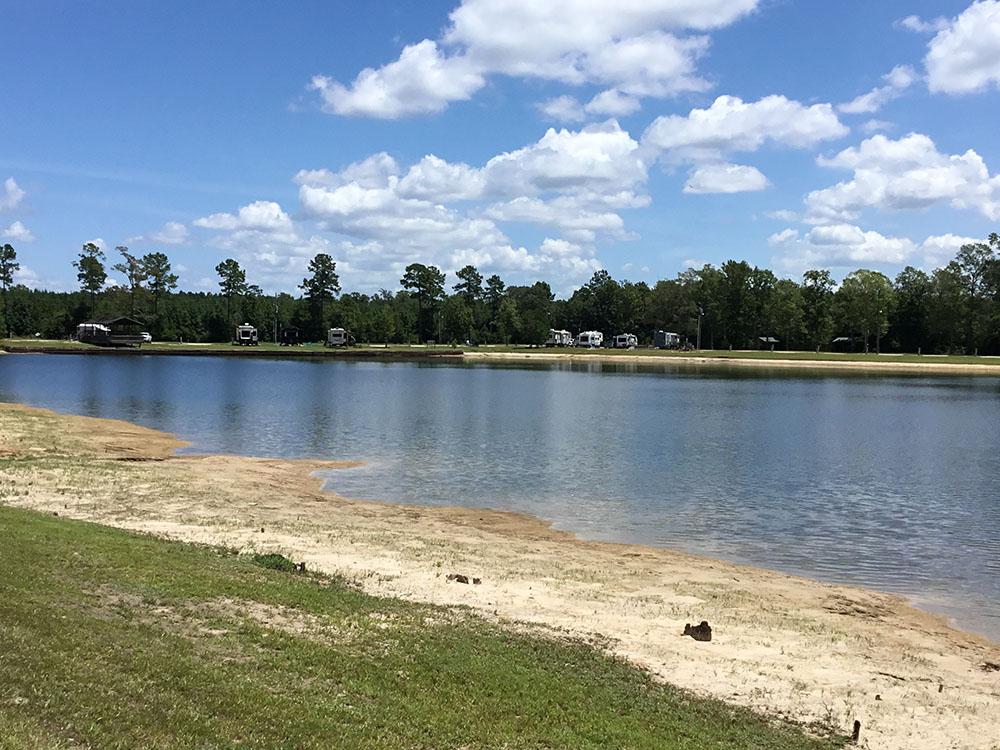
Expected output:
(338, 337)
(626, 341)
(559, 338)
(246, 335)
(147, 337)
(589, 339)
(666, 340)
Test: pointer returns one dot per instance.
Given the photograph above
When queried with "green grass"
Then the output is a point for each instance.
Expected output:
(377, 350)
(114, 640)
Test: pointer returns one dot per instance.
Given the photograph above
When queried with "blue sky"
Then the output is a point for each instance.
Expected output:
(535, 140)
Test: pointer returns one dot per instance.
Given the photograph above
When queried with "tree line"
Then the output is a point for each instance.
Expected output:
(952, 309)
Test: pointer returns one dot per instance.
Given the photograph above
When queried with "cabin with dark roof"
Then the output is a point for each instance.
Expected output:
(120, 331)
(289, 336)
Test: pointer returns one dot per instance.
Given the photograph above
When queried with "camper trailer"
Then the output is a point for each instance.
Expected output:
(559, 338)
(590, 339)
(666, 340)
(626, 341)
(339, 337)
(289, 336)
(246, 335)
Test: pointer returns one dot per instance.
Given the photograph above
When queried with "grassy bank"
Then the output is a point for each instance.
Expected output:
(113, 640)
(417, 351)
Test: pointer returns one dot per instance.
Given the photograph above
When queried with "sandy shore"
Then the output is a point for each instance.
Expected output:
(884, 365)
(783, 645)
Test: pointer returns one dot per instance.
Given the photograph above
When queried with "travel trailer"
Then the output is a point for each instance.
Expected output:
(246, 335)
(559, 338)
(339, 337)
(590, 339)
(626, 341)
(666, 340)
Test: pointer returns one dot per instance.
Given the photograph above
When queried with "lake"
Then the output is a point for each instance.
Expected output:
(887, 481)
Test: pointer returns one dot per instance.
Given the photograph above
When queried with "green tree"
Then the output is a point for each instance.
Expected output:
(157, 272)
(864, 304)
(134, 271)
(784, 315)
(508, 320)
(947, 308)
(232, 282)
(384, 318)
(426, 285)
(456, 319)
(737, 315)
(914, 289)
(320, 288)
(8, 267)
(817, 307)
(534, 307)
(974, 262)
(671, 307)
(470, 284)
(91, 272)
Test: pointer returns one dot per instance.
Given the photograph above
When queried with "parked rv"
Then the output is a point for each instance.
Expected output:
(666, 340)
(589, 339)
(339, 337)
(246, 335)
(289, 336)
(626, 341)
(559, 338)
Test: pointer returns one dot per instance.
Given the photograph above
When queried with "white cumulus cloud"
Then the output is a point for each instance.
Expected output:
(964, 57)
(838, 246)
(11, 195)
(260, 216)
(725, 178)
(731, 124)
(908, 173)
(897, 81)
(637, 47)
(421, 81)
(17, 232)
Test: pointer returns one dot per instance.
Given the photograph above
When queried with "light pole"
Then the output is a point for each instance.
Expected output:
(701, 312)
(276, 320)
(878, 334)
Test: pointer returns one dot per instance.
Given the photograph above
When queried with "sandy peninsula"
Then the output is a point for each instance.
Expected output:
(888, 364)
(782, 645)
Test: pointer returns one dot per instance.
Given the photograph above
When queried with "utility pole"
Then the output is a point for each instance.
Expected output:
(276, 319)
(878, 322)
(701, 312)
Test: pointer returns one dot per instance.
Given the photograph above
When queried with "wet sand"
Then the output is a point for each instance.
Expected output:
(783, 645)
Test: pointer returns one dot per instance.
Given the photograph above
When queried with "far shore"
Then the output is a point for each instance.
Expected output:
(783, 645)
(928, 364)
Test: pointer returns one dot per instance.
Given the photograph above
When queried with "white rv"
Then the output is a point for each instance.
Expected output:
(338, 337)
(559, 338)
(626, 341)
(590, 339)
(246, 335)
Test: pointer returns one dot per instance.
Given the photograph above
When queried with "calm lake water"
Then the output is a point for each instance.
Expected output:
(892, 482)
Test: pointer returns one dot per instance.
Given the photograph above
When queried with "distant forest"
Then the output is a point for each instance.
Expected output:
(951, 310)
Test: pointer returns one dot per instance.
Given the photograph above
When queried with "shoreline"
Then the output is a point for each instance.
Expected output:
(784, 645)
(888, 363)
(723, 360)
